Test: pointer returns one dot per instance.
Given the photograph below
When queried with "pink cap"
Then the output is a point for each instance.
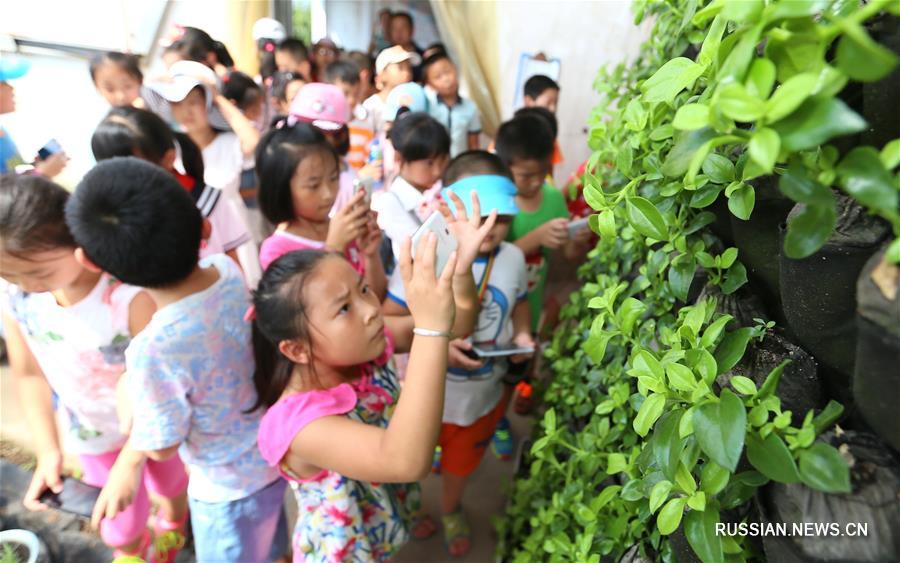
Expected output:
(323, 105)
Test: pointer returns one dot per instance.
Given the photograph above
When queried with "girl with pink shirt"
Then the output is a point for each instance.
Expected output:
(298, 184)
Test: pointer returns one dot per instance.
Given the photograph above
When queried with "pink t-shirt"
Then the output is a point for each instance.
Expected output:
(282, 242)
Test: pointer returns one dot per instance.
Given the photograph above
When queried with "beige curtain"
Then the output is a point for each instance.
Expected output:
(242, 14)
(469, 30)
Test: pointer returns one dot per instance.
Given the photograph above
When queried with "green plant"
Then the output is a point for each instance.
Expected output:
(9, 554)
(649, 427)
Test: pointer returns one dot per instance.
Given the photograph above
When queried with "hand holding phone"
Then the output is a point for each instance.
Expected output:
(50, 148)
(364, 184)
(446, 242)
(76, 497)
(348, 224)
(577, 226)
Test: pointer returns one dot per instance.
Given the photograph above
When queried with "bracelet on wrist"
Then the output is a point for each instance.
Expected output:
(428, 332)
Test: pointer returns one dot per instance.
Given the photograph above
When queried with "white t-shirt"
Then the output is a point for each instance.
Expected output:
(223, 162)
(374, 107)
(401, 210)
(81, 350)
(469, 395)
(228, 232)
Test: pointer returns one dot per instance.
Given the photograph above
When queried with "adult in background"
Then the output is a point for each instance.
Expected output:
(402, 29)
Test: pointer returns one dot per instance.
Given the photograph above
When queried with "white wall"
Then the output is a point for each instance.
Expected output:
(584, 35)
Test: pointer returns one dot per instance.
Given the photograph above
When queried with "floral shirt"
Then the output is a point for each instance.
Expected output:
(81, 350)
(341, 519)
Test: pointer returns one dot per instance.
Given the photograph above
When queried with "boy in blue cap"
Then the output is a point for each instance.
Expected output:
(475, 395)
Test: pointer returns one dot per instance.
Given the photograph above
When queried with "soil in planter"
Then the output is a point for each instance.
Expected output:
(799, 387)
(743, 305)
(18, 551)
(818, 293)
(877, 378)
(875, 480)
(757, 241)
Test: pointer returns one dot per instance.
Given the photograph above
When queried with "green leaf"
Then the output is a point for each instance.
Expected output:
(635, 115)
(604, 497)
(705, 196)
(697, 501)
(862, 176)
(714, 330)
(771, 383)
(861, 58)
(742, 201)
(890, 154)
(728, 257)
(817, 121)
(710, 48)
(743, 385)
(829, 415)
(742, 10)
(893, 252)
(646, 219)
(550, 421)
(670, 516)
(659, 493)
(680, 277)
(761, 78)
(686, 424)
(624, 160)
(790, 95)
(662, 132)
(720, 427)
(758, 416)
(649, 412)
(644, 363)
(666, 443)
(772, 458)
(686, 145)
(734, 279)
(616, 463)
(718, 168)
(713, 478)
(736, 103)
(700, 531)
(628, 313)
(703, 363)
(764, 146)
(595, 347)
(730, 351)
(691, 116)
(797, 185)
(822, 468)
(795, 9)
(594, 197)
(809, 230)
(680, 377)
(606, 224)
(671, 78)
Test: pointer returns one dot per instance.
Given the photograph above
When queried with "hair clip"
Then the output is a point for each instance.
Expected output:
(250, 315)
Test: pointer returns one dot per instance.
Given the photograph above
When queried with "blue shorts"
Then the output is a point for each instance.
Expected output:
(247, 530)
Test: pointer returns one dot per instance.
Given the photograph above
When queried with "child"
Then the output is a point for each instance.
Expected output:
(338, 426)
(541, 91)
(118, 78)
(292, 56)
(193, 44)
(366, 66)
(459, 115)
(475, 396)
(225, 137)
(189, 372)
(325, 52)
(129, 131)
(525, 145)
(67, 327)
(345, 75)
(299, 177)
(422, 148)
(392, 67)
(285, 86)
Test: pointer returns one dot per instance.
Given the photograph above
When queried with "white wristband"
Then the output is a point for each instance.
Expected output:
(429, 332)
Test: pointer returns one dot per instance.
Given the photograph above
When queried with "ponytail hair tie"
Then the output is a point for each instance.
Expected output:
(250, 315)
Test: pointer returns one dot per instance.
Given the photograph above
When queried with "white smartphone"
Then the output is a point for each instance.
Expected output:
(577, 226)
(364, 184)
(498, 350)
(446, 242)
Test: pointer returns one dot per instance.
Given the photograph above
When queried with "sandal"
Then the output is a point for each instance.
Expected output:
(138, 556)
(456, 531)
(168, 539)
(422, 527)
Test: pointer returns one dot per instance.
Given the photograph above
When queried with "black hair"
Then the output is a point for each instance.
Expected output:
(295, 47)
(126, 62)
(267, 65)
(431, 61)
(280, 81)
(280, 315)
(339, 139)
(474, 163)
(278, 154)
(362, 60)
(538, 84)
(404, 15)
(32, 215)
(343, 70)
(528, 137)
(418, 136)
(542, 113)
(195, 45)
(130, 131)
(241, 89)
(437, 47)
(134, 220)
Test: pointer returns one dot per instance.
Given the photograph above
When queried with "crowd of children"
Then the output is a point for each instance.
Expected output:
(230, 302)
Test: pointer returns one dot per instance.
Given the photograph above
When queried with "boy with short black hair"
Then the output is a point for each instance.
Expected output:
(291, 55)
(392, 68)
(541, 91)
(190, 371)
(459, 115)
(345, 74)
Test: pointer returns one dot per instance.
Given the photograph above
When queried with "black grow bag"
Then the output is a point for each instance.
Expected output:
(876, 382)
(875, 480)
(879, 99)
(818, 293)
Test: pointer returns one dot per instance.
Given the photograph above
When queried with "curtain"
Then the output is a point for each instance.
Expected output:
(242, 14)
(469, 30)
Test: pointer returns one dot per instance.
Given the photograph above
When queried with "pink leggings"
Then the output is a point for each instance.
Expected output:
(164, 478)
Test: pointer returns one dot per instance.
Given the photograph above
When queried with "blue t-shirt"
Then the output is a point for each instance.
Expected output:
(190, 379)
(9, 153)
(459, 120)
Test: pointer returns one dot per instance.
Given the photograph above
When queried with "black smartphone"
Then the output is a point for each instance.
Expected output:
(52, 147)
(77, 497)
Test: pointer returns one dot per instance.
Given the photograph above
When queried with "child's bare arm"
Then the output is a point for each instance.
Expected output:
(140, 311)
(521, 320)
(552, 234)
(243, 127)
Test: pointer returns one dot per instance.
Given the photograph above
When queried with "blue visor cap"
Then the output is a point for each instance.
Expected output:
(407, 95)
(13, 67)
(494, 192)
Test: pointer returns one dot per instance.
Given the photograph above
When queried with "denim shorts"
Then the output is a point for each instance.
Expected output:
(252, 529)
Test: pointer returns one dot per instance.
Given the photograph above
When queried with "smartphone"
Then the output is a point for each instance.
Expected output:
(364, 184)
(577, 226)
(446, 242)
(77, 497)
(499, 350)
(52, 147)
